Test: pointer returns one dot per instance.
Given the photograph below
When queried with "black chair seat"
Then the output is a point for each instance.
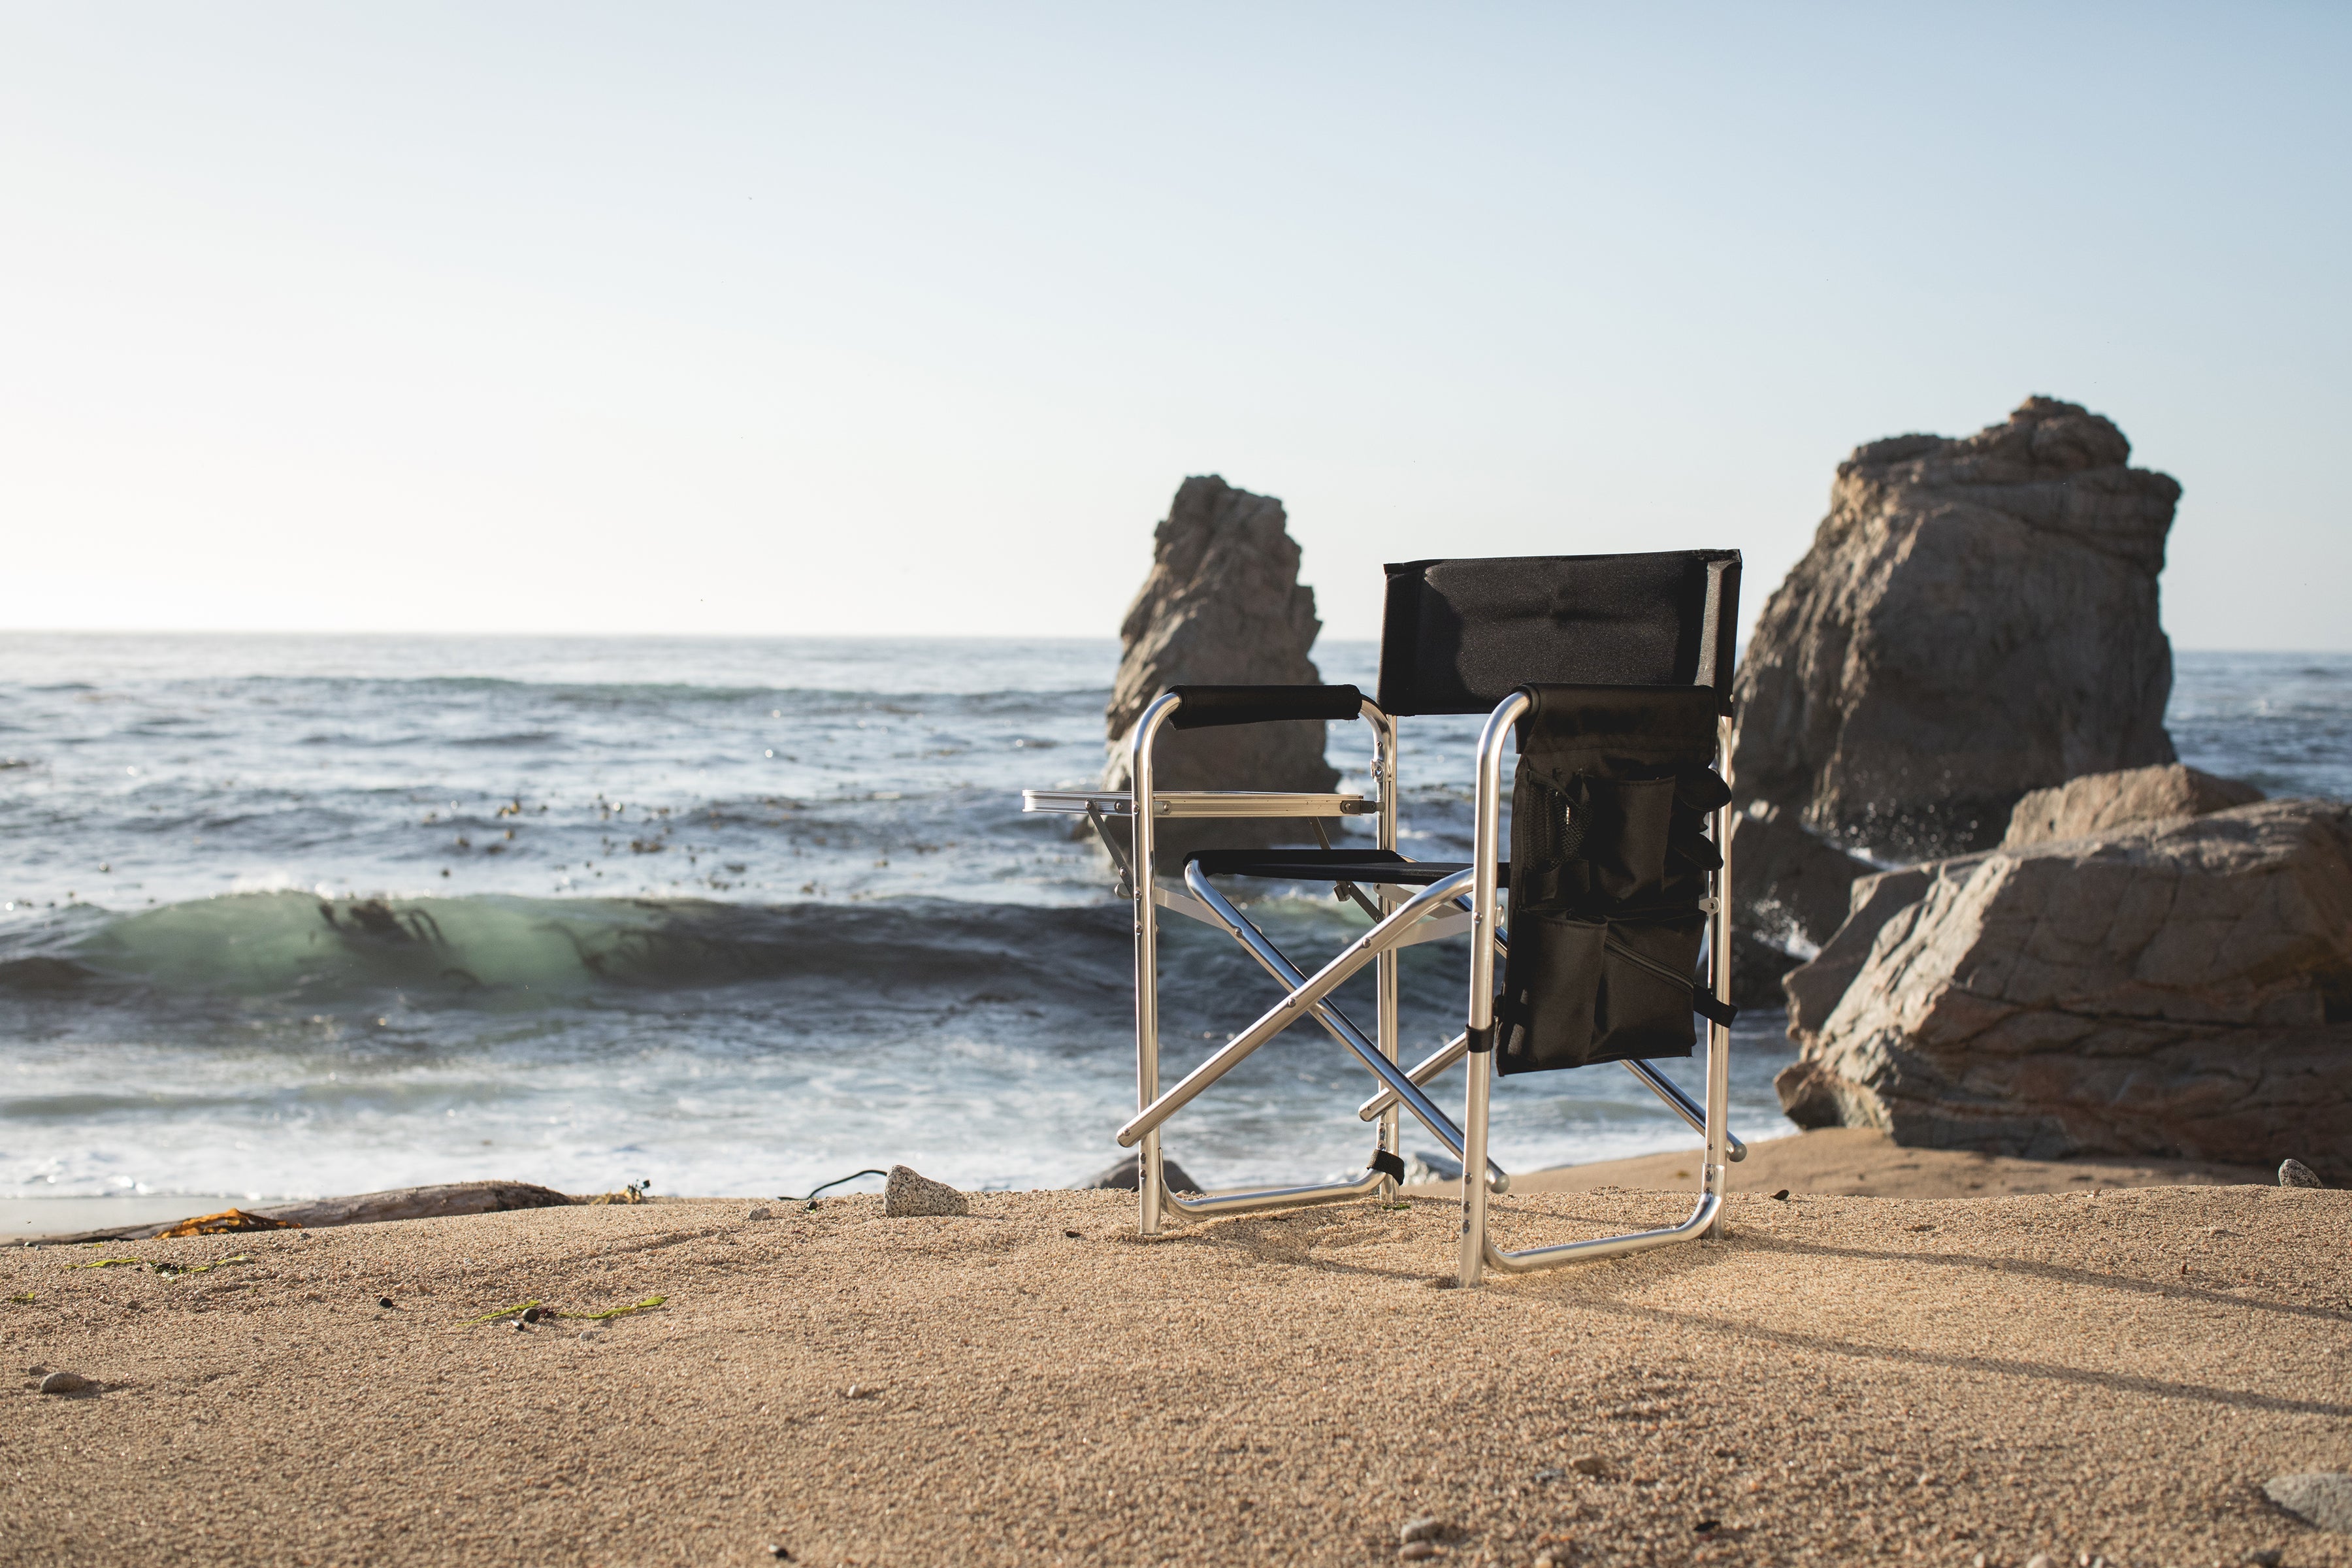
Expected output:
(1373, 866)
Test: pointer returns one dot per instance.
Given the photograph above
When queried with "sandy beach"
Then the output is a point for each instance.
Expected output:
(2111, 1372)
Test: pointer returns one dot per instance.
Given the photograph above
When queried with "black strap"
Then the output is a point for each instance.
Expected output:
(1205, 706)
(1481, 1039)
(1389, 1164)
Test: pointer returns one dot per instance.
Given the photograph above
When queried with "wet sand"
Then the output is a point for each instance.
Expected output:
(2111, 1372)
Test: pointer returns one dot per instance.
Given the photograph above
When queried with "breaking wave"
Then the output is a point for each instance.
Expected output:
(290, 943)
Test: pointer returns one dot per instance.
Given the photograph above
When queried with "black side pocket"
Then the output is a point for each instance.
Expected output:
(1644, 1006)
(1627, 824)
(1551, 992)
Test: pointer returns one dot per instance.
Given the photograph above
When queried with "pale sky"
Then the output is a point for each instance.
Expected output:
(782, 319)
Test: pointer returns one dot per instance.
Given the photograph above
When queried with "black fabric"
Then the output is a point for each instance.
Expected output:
(1457, 637)
(1387, 1163)
(1609, 814)
(1375, 865)
(1205, 706)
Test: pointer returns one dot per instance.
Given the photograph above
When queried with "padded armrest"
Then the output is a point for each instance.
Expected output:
(1204, 706)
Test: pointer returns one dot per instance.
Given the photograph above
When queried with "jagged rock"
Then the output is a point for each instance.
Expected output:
(2096, 804)
(907, 1194)
(1221, 605)
(1814, 989)
(2295, 1173)
(2182, 989)
(1122, 1176)
(1788, 886)
(1976, 618)
(2101, 802)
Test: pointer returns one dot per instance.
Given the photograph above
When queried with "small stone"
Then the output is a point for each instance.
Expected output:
(908, 1194)
(780, 1552)
(384, 1302)
(519, 1326)
(2041, 1560)
(2323, 1498)
(1428, 1527)
(1076, 1235)
(590, 1336)
(1419, 1551)
(534, 1314)
(754, 1217)
(2295, 1173)
(1782, 1196)
(1548, 1475)
(2269, 1558)
(1589, 1465)
(861, 1391)
(64, 1383)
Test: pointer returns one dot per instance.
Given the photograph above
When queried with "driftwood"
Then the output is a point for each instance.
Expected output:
(369, 1208)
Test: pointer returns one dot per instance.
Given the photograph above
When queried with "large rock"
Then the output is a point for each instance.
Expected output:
(1223, 606)
(1814, 989)
(2101, 802)
(2182, 988)
(1976, 618)
(2094, 803)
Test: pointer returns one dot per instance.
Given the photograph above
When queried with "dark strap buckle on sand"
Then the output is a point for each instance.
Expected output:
(1613, 674)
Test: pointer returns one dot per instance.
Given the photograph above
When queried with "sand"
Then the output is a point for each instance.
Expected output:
(1854, 1162)
(2112, 1373)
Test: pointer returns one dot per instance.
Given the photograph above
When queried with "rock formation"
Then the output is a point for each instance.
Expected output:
(2096, 802)
(2182, 987)
(1221, 605)
(1977, 618)
(2101, 802)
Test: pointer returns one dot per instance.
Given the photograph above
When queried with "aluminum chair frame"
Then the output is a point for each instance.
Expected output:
(1446, 908)
(1478, 1251)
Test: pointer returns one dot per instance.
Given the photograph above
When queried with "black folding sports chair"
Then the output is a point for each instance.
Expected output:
(1615, 671)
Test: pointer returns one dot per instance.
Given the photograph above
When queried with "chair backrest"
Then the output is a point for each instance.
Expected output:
(1457, 637)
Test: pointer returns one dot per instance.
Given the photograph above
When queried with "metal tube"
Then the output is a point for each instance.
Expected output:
(1294, 1006)
(1430, 1067)
(1486, 853)
(1342, 1027)
(1718, 1036)
(1277, 1197)
(1528, 1260)
(1149, 1186)
(1387, 969)
(1682, 1105)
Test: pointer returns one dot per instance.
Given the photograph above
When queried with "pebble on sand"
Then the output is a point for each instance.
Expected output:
(758, 1214)
(1419, 1551)
(908, 1194)
(2295, 1173)
(1428, 1527)
(64, 1383)
(1589, 1465)
(2323, 1498)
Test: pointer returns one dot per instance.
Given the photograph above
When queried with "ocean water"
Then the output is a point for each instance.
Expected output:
(293, 916)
